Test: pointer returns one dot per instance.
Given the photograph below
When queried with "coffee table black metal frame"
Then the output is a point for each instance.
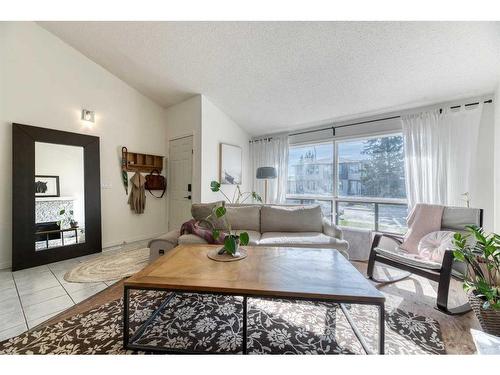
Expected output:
(128, 342)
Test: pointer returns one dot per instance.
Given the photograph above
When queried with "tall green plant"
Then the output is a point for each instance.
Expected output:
(231, 240)
(481, 254)
(238, 196)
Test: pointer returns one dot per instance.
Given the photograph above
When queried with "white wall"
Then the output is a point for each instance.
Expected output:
(185, 119)
(216, 128)
(44, 82)
(496, 158)
(70, 169)
(482, 184)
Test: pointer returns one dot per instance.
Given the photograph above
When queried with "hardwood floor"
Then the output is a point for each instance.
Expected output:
(414, 294)
(418, 295)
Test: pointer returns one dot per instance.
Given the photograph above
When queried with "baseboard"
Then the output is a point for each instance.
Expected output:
(4, 266)
(116, 244)
(106, 247)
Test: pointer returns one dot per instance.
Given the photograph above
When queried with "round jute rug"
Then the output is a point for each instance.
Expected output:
(109, 267)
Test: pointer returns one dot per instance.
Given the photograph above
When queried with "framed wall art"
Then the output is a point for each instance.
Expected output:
(230, 164)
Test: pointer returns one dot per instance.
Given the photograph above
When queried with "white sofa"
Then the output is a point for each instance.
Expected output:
(266, 225)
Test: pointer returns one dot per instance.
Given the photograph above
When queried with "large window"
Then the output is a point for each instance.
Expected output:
(372, 167)
(360, 185)
(310, 170)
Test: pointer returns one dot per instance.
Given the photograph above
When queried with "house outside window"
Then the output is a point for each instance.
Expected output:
(357, 182)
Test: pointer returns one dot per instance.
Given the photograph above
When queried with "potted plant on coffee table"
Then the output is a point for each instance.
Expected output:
(232, 240)
(481, 254)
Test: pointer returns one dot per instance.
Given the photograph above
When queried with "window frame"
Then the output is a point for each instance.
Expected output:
(335, 198)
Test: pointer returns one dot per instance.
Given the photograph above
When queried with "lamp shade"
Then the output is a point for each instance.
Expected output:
(266, 172)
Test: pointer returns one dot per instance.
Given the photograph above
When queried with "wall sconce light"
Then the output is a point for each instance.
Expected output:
(88, 115)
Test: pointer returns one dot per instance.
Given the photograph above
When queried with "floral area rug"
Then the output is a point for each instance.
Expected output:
(208, 323)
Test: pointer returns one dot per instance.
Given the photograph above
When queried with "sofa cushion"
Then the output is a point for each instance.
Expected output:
(302, 239)
(291, 219)
(254, 236)
(243, 217)
(200, 211)
(191, 239)
(239, 216)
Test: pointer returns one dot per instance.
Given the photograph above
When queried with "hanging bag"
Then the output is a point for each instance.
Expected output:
(156, 182)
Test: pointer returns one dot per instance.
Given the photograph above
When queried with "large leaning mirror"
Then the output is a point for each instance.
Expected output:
(59, 195)
(56, 196)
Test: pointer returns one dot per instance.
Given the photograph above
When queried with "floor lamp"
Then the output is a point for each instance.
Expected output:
(266, 173)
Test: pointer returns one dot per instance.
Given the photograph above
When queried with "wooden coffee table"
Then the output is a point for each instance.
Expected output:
(272, 272)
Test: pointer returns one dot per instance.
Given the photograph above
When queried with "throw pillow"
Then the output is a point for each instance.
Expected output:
(433, 245)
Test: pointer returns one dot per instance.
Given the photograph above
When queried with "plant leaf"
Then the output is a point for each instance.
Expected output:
(214, 186)
(458, 256)
(220, 211)
(230, 244)
(216, 234)
(62, 212)
(244, 238)
(256, 196)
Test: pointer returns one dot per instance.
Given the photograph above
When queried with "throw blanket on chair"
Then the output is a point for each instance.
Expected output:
(423, 219)
(192, 227)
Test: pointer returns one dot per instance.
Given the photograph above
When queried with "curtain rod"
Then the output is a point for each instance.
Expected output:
(379, 119)
(260, 139)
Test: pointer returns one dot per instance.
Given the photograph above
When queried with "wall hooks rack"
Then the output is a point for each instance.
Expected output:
(144, 163)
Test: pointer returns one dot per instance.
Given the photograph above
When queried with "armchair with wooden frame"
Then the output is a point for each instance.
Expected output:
(454, 219)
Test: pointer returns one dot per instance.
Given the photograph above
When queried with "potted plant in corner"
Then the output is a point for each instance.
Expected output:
(481, 254)
(232, 241)
(66, 219)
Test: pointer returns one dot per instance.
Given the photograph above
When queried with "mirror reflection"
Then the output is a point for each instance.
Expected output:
(59, 195)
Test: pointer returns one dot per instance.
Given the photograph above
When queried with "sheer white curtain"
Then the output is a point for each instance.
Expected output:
(461, 130)
(271, 152)
(425, 175)
(440, 149)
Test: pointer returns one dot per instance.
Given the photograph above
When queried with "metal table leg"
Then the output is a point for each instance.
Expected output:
(381, 334)
(359, 335)
(245, 325)
(126, 296)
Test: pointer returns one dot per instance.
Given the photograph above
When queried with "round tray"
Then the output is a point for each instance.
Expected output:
(213, 254)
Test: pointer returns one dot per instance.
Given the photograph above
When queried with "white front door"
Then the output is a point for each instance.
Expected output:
(180, 176)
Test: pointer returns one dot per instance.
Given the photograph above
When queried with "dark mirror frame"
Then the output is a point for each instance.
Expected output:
(23, 196)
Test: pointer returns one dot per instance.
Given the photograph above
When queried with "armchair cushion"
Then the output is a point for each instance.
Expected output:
(423, 219)
(457, 218)
(401, 256)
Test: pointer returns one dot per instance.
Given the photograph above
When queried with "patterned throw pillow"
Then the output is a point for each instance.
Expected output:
(433, 245)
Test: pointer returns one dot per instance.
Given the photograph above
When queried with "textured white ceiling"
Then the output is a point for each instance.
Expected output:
(272, 76)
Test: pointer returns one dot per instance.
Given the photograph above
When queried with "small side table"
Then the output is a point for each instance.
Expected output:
(485, 343)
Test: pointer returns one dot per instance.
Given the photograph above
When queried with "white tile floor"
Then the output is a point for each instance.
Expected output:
(29, 297)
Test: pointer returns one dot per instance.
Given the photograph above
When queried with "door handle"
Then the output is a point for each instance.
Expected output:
(188, 197)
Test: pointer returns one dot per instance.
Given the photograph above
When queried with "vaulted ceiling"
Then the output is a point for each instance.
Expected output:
(273, 76)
